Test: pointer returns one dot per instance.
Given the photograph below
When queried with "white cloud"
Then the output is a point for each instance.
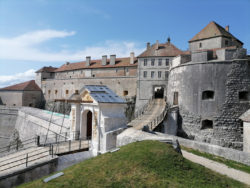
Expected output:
(26, 48)
(17, 78)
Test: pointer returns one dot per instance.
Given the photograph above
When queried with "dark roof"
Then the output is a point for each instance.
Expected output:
(47, 69)
(165, 49)
(25, 86)
(120, 62)
(213, 30)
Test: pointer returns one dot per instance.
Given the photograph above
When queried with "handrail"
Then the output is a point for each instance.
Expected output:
(26, 158)
(158, 119)
(143, 108)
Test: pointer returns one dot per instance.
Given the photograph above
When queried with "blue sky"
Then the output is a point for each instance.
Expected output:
(37, 33)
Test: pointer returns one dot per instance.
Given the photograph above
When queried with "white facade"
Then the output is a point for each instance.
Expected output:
(98, 120)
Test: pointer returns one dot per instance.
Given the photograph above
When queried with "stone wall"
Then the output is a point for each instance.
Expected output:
(226, 79)
(146, 82)
(246, 137)
(64, 88)
(12, 98)
(8, 117)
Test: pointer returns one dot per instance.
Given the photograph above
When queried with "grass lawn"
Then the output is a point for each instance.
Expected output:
(229, 163)
(140, 164)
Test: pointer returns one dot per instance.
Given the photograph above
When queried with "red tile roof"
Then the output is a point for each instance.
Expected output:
(165, 49)
(212, 30)
(47, 69)
(25, 86)
(120, 62)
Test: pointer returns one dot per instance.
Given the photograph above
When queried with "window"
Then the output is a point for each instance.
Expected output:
(14, 104)
(243, 96)
(206, 124)
(49, 92)
(167, 62)
(159, 62)
(226, 42)
(175, 101)
(207, 95)
(166, 74)
(145, 74)
(152, 62)
(159, 74)
(93, 75)
(152, 74)
(126, 69)
(125, 93)
(55, 91)
(67, 92)
(145, 62)
(200, 45)
(77, 92)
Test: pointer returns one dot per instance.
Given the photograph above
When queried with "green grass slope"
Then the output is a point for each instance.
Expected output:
(140, 164)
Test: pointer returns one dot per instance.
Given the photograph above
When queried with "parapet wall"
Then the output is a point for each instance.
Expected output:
(8, 117)
(131, 135)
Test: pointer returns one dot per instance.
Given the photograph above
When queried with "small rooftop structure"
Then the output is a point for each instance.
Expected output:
(164, 49)
(47, 69)
(98, 94)
(213, 30)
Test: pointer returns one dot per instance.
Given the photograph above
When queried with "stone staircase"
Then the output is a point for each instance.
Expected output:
(152, 115)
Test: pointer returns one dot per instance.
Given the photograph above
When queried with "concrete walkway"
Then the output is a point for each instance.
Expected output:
(218, 167)
(154, 110)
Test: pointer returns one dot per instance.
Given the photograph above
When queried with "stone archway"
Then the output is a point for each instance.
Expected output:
(158, 92)
(86, 124)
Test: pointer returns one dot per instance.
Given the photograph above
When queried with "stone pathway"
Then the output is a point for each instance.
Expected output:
(218, 167)
(155, 109)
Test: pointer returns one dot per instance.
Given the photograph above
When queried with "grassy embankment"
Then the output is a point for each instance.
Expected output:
(229, 163)
(140, 164)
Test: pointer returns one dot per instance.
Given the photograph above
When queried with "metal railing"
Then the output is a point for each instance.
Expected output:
(156, 121)
(26, 158)
(19, 145)
(141, 111)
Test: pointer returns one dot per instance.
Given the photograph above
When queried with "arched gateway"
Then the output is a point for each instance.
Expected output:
(97, 113)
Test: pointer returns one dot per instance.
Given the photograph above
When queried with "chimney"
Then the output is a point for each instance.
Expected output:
(88, 59)
(157, 44)
(227, 28)
(148, 45)
(104, 60)
(112, 59)
(132, 57)
(168, 40)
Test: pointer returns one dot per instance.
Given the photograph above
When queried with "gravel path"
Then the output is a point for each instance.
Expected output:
(218, 167)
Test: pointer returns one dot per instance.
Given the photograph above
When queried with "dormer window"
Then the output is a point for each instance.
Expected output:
(200, 45)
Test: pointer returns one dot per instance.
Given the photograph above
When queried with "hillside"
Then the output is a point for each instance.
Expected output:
(140, 164)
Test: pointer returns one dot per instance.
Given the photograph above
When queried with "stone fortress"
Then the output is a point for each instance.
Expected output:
(208, 86)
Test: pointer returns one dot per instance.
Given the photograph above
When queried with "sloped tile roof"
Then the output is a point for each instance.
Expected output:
(47, 69)
(165, 49)
(119, 62)
(25, 86)
(212, 30)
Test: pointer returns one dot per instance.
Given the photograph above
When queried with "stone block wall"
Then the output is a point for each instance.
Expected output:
(227, 79)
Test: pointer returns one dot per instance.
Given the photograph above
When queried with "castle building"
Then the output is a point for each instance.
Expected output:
(210, 83)
(213, 89)
(119, 74)
(153, 68)
(23, 94)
